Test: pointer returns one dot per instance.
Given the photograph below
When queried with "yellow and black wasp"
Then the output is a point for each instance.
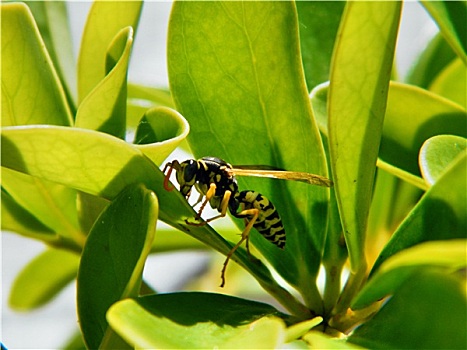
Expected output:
(215, 181)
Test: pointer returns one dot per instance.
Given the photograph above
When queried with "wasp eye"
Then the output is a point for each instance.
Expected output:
(189, 170)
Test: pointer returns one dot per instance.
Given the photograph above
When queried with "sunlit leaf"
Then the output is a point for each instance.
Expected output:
(238, 79)
(361, 67)
(43, 278)
(104, 108)
(105, 20)
(196, 320)
(437, 153)
(31, 89)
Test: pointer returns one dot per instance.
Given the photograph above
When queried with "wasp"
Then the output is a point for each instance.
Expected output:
(215, 181)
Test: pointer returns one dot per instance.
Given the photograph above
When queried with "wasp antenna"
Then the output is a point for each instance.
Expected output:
(167, 185)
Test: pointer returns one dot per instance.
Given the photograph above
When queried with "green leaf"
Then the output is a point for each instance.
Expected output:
(43, 278)
(31, 89)
(434, 58)
(103, 165)
(53, 23)
(403, 265)
(238, 79)
(426, 312)
(361, 67)
(451, 83)
(53, 205)
(437, 153)
(196, 320)
(113, 258)
(16, 219)
(451, 19)
(160, 131)
(104, 108)
(423, 115)
(320, 340)
(441, 214)
(318, 24)
(105, 20)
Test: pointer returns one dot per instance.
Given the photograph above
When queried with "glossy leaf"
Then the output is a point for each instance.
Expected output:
(402, 266)
(43, 278)
(160, 131)
(318, 24)
(426, 312)
(113, 258)
(450, 17)
(196, 320)
(105, 20)
(238, 80)
(31, 90)
(104, 108)
(452, 83)
(423, 115)
(439, 215)
(438, 153)
(106, 165)
(360, 72)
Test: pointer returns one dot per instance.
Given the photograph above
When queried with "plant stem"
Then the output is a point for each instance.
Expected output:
(351, 288)
(332, 288)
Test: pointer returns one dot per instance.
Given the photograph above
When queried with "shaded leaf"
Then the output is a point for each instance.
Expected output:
(31, 89)
(196, 320)
(441, 214)
(438, 153)
(402, 266)
(451, 17)
(113, 258)
(318, 24)
(320, 340)
(426, 312)
(43, 278)
(451, 83)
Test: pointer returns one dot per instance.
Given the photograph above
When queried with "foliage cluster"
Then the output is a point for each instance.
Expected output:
(306, 86)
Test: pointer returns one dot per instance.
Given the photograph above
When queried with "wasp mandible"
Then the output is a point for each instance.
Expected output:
(215, 181)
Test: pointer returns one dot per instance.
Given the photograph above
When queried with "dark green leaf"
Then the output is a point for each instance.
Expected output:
(426, 312)
(451, 17)
(113, 258)
(318, 24)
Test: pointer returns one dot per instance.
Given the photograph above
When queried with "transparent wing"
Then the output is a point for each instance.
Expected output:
(259, 171)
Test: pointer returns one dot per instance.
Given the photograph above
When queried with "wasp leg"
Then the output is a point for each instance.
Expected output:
(223, 208)
(245, 237)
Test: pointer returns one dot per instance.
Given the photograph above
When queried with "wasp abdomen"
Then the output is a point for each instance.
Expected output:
(268, 223)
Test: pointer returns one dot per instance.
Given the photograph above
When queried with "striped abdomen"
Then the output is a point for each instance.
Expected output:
(268, 223)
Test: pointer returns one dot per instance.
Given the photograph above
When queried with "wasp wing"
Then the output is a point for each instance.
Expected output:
(308, 178)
